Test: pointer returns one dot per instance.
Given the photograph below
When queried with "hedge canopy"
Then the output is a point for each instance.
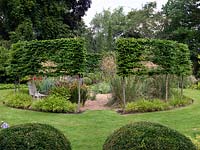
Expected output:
(164, 56)
(52, 57)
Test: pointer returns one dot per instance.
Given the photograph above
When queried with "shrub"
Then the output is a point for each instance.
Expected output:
(53, 103)
(18, 100)
(87, 80)
(180, 102)
(146, 106)
(69, 90)
(102, 88)
(74, 93)
(11, 86)
(61, 91)
(95, 77)
(147, 136)
(33, 136)
(45, 85)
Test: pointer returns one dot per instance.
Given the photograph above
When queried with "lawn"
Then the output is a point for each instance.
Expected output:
(88, 131)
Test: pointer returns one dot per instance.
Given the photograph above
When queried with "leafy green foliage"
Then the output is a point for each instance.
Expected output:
(183, 26)
(146, 106)
(151, 105)
(66, 55)
(44, 85)
(18, 100)
(106, 26)
(53, 103)
(4, 57)
(171, 57)
(33, 136)
(61, 91)
(144, 23)
(10, 86)
(130, 55)
(102, 88)
(35, 19)
(87, 81)
(93, 62)
(74, 93)
(145, 136)
(178, 102)
(139, 87)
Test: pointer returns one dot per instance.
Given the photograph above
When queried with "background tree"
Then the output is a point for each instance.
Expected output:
(4, 56)
(40, 19)
(107, 26)
(183, 24)
(145, 23)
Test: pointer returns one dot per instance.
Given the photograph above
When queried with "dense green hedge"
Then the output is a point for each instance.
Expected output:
(170, 56)
(93, 62)
(147, 136)
(18, 100)
(10, 86)
(33, 136)
(68, 55)
(156, 105)
(55, 104)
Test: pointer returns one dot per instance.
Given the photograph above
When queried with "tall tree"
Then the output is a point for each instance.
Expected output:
(145, 23)
(40, 19)
(107, 26)
(183, 25)
(4, 56)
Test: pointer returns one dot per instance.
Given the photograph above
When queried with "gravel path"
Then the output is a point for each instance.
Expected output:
(98, 104)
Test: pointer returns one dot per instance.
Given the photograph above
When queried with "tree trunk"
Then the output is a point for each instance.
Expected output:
(79, 93)
(15, 84)
(181, 86)
(19, 85)
(124, 92)
(178, 84)
(166, 87)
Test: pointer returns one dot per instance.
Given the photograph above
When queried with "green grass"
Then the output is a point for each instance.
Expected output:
(88, 131)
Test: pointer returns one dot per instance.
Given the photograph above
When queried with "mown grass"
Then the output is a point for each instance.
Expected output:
(88, 131)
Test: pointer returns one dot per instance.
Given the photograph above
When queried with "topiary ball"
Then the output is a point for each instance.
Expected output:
(33, 136)
(147, 136)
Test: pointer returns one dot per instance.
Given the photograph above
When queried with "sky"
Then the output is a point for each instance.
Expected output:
(98, 6)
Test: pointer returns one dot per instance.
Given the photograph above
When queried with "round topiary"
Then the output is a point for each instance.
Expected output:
(147, 136)
(33, 136)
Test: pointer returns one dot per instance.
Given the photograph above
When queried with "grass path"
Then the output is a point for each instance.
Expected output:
(88, 131)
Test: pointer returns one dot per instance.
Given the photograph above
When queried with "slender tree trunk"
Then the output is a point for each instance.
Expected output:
(79, 93)
(166, 87)
(19, 85)
(178, 84)
(181, 86)
(124, 92)
(15, 84)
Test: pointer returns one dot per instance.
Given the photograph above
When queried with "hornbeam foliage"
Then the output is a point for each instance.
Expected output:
(169, 57)
(50, 57)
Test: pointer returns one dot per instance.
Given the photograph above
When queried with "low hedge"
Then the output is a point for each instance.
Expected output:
(33, 136)
(10, 86)
(155, 105)
(54, 103)
(18, 100)
(147, 136)
(146, 106)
